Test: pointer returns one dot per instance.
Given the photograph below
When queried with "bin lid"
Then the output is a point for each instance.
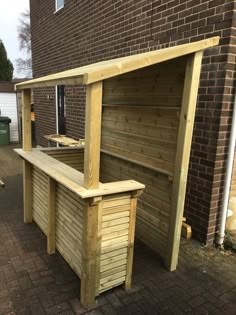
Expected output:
(5, 120)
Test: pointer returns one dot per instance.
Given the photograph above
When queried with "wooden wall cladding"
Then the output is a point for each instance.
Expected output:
(73, 158)
(69, 227)
(155, 85)
(114, 244)
(153, 208)
(140, 124)
(40, 199)
(113, 234)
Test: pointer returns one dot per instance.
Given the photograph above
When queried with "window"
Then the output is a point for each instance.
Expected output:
(59, 4)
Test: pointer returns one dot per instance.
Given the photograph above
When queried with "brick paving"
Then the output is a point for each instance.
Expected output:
(32, 282)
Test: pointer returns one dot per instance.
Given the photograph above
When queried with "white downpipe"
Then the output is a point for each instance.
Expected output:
(228, 175)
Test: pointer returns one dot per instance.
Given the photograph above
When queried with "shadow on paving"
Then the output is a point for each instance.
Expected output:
(32, 282)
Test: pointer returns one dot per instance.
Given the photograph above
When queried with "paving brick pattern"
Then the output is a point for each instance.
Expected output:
(32, 282)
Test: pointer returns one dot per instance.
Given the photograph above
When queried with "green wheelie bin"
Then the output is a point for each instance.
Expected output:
(4, 130)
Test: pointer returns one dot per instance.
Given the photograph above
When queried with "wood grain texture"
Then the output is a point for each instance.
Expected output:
(115, 239)
(51, 235)
(73, 158)
(182, 157)
(153, 207)
(27, 191)
(130, 254)
(89, 255)
(110, 68)
(26, 120)
(40, 199)
(92, 135)
(69, 227)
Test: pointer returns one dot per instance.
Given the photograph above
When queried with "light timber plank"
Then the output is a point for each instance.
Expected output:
(115, 222)
(113, 270)
(26, 120)
(114, 235)
(27, 183)
(114, 241)
(116, 228)
(114, 247)
(140, 163)
(114, 216)
(119, 260)
(89, 255)
(72, 179)
(130, 254)
(99, 245)
(112, 210)
(112, 277)
(51, 216)
(182, 157)
(92, 135)
(111, 284)
(110, 68)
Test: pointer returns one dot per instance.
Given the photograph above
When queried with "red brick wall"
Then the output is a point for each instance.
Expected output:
(84, 32)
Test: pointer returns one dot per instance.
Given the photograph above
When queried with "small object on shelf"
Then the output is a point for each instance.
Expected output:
(64, 140)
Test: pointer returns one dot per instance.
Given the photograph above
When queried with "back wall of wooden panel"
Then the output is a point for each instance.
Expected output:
(140, 123)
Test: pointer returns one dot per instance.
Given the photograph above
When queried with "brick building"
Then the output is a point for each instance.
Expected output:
(83, 32)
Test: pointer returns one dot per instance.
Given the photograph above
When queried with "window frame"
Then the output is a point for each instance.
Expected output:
(57, 7)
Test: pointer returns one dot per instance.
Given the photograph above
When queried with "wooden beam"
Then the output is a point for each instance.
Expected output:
(51, 243)
(130, 253)
(26, 120)
(27, 191)
(89, 254)
(109, 68)
(92, 135)
(189, 100)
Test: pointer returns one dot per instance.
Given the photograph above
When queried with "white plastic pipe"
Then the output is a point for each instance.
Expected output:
(228, 175)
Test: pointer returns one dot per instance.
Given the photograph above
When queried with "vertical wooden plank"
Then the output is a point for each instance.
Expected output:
(26, 120)
(192, 75)
(27, 191)
(99, 245)
(130, 253)
(92, 135)
(51, 216)
(89, 254)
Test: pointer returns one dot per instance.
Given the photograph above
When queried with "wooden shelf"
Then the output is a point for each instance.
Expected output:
(73, 179)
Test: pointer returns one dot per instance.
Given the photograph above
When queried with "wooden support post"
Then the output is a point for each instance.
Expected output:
(130, 253)
(89, 253)
(92, 135)
(27, 146)
(51, 244)
(192, 75)
(27, 195)
(26, 120)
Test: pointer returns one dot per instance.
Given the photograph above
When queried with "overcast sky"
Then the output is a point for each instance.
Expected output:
(9, 19)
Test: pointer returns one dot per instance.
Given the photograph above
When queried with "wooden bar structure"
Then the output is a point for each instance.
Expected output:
(90, 200)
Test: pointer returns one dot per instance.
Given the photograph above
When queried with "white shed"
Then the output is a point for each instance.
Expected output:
(8, 107)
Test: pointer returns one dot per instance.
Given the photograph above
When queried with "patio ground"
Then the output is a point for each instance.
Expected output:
(32, 282)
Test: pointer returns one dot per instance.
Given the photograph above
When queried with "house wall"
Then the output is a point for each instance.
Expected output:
(84, 32)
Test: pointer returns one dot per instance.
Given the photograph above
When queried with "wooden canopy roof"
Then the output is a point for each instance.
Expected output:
(110, 68)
